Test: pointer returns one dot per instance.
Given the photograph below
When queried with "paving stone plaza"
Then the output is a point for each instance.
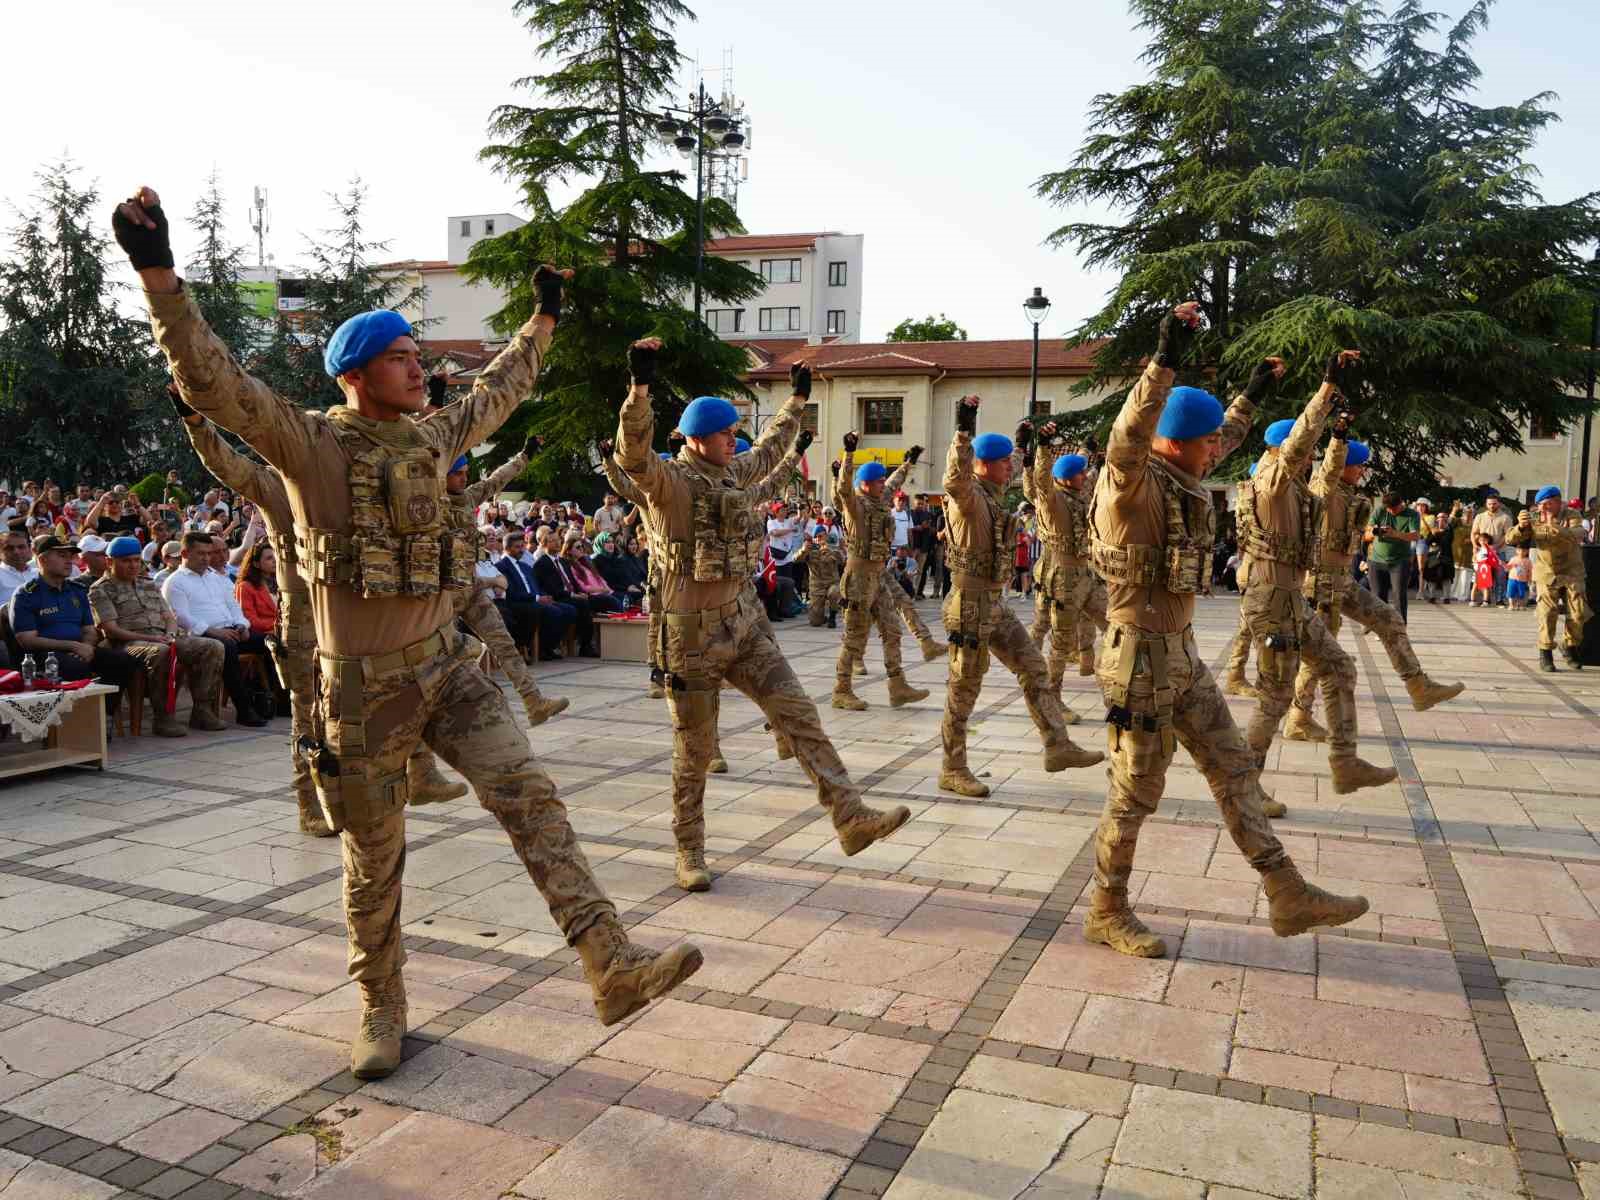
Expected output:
(920, 1022)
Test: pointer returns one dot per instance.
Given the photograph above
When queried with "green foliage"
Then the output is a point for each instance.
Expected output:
(928, 329)
(150, 489)
(629, 234)
(1315, 174)
(344, 281)
(215, 273)
(80, 383)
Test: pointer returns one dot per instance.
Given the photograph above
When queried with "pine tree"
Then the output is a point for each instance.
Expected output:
(630, 234)
(1316, 174)
(215, 273)
(80, 382)
(344, 281)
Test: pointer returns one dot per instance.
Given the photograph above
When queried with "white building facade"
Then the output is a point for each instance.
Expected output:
(811, 288)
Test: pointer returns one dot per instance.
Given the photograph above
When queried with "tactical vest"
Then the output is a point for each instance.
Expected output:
(1072, 539)
(725, 542)
(871, 537)
(993, 564)
(1342, 537)
(402, 541)
(1262, 544)
(1182, 563)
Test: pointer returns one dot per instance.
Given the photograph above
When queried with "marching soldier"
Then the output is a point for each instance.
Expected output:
(366, 487)
(908, 613)
(1332, 591)
(137, 620)
(1278, 519)
(1057, 484)
(1558, 570)
(979, 540)
(1151, 530)
(868, 533)
(709, 543)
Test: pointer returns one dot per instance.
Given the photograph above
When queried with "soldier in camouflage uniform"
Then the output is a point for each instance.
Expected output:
(1331, 590)
(294, 644)
(1057, 484)
(908, 613)
(366, 487)
(980, 537)
(1235, 681)
(868, 530)
(1151, 530)
(709, 543)
(137, 619)
(1558, 570)
(824, 566)
(1278, 519)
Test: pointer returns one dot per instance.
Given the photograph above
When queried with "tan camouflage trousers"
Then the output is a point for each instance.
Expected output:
(1139, 757)
(294, 654)
(1095, 609)
(1283, 615)
(447, 703)
(986, 625)
(1239, 654)
(200, 658)
(1060, 603)
(484, 619)
(903, 605)
(816, 613)
(735, 643)
(1373, 615)
(1578, 613)
(865, 595)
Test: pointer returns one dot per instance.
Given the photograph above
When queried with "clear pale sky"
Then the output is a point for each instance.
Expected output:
(920, 126)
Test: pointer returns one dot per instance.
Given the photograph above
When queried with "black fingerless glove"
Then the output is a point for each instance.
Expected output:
(803, 442)
(1177, 335)
(1344, 376)
(436, 386)
(642, 365)
(548, 283)
(1023, 434)
(913, 454)
(851, 440)
(1261, 382)
(966, 417)
(178, 406)
(800, 379)
(533, 444)
(675, 441)
(834, 466)
(607, 447)
(144, 247)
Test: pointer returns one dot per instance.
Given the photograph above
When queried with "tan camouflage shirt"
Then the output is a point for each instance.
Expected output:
(137, 606)
(1277, 482)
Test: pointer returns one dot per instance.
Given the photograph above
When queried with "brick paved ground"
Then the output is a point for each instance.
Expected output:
(922, 1021)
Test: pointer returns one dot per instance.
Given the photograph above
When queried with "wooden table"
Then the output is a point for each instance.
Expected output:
(80, 739)
(623, 641)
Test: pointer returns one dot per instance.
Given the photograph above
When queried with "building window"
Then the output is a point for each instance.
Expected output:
(882, 414)
(488, 226)
(836, 320)
(1543, 429)
(779, 320)
(808, 419)
(1038, 408)
(837, 274)
(725, 320)
(780, 270)
(466, 229)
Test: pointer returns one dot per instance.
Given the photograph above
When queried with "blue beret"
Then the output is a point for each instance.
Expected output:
(1069, 465)
(361, 339)
(1549, 492)
(1254, 467)
(1357, 455)
(1279, 430)
(990, 446)
(460, 464)
(665, 456)
(740, 445)
(1189, 413)
(871, 472)
(123, 547)
(707, 415)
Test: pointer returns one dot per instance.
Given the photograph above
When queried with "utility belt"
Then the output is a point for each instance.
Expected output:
(1131, 652)
(1324, 588)
(351, 796)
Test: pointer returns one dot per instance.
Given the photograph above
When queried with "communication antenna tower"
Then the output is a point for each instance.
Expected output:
(260, 224)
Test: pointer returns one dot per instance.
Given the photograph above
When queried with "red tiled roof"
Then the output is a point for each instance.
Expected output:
(766, 350)
(742, 243)
(1011, 356)
(469, 354)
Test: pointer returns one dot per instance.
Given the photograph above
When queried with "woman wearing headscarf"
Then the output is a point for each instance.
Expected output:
(616, 570)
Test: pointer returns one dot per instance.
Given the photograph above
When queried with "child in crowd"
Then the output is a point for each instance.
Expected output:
(1487, 563)
(1520, 573)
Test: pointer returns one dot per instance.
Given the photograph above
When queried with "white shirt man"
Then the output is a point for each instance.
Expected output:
(203, 599)
(902, 525)
(783, 535)
(608, 517)
(16, 565)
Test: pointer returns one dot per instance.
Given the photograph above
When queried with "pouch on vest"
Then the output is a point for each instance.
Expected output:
(459, 558)
(413, 491)
(421, 563)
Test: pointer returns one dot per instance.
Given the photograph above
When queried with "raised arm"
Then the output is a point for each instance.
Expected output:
(769, 487)
(620, 483)
(775, 440)
(1327, 477)
(958, 476)
(1301, 443)
(258, 483)
(1128, 448)
(492, 484)
(636, 425)
(847, 499)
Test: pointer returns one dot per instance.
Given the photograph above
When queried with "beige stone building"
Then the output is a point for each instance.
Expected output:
(1549, 456)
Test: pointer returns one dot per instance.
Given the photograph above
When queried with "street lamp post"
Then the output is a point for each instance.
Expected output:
(713, 131)
(1036, 308)
(1588, 416)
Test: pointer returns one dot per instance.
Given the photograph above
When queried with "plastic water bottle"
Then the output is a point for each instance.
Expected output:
(30, 670)
(52, 669)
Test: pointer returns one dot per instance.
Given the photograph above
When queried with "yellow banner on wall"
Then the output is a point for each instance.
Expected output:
(889, 458)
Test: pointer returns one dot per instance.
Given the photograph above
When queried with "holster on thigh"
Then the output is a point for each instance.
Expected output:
(1139, 697)
(1277, 633)
(690, 692)
(350, 790)
(969, 620)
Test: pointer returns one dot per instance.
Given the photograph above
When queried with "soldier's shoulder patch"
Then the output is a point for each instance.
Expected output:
(32, 585)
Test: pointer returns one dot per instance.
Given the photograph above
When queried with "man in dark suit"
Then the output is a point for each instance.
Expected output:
(554, 582)
(526, 604)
